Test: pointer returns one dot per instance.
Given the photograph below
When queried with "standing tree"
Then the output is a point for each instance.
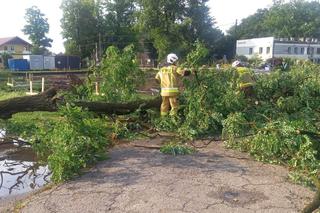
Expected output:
(253, 26)
(200, 25)
(80, 26)
(293, 19)
(90, 26)
(297, 19)
(174, 26)
(159, 21)
(37, 27)
(5, 57)
(119, 22)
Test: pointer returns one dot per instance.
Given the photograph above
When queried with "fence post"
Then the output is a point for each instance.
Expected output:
(31, 89)
(42, 84)
(12, 82)
(97, 88)
(31, 85)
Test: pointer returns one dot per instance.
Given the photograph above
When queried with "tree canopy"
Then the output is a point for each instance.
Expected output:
(80, 26)
(158, 27)
(36, 28)
(294, 19)
(174, 26)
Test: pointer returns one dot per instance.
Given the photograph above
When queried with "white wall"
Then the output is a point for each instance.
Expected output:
(256, 45)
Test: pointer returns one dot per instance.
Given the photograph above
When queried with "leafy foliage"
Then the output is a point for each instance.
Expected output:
(278, 123)
(86, 23)
(208, 103)
(285, 19)
(119, 21)
(5, 57)
(119, 74)
(282, 125)
(68, 141)
(37, 27)
(173, 26)
(176, 149)
(76, 142)
(198, 56)
(80, 26)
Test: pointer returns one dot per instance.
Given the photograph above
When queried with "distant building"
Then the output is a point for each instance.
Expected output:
(14, 46)
(270, 47)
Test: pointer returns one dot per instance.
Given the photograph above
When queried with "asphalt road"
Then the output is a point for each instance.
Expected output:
(144, 180)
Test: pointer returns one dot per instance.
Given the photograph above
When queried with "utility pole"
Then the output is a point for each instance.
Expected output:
(100, 47)
(97, 54)
(235, 38)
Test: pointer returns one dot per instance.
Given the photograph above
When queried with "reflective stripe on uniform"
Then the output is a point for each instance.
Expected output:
(164, 113)
(168, 77)
(173, 89)
(243, 85)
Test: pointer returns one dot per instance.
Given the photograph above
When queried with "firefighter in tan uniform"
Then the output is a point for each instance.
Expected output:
(246, 79)
(169, 76)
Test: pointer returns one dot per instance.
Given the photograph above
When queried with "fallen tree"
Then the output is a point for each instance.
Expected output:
(315, 203)
(119, 108)
(47, 102)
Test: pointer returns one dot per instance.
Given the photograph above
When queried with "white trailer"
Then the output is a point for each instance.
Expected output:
(270, 47)
(35, 61)
(49, 63)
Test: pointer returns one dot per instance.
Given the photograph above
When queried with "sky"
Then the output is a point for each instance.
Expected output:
(225, 13)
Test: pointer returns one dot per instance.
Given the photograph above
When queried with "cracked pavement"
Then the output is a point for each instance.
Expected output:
(144, 180)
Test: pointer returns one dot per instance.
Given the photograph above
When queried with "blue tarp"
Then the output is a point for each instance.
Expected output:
(18, 64)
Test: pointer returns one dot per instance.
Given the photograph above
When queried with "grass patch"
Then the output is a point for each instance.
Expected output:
(4, 95)
(25, 123)
(174, 148)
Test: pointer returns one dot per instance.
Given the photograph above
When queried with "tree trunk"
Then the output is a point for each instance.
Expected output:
(46, 102)
(314, 205)
(120, 108)
(42, 102)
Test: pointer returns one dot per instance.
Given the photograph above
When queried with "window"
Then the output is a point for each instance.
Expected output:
(260, 50)
(296, 50)
(268, 50)
(5, 48)
(0, 60)
(289, 50)
(12, 48)
(250, 51)
(318, 51)
(310, 50)
(302, 51)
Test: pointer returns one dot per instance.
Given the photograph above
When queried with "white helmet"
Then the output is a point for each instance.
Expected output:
(171, 58)
(236, 63)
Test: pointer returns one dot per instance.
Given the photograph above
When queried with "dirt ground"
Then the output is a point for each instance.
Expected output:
(137, 179)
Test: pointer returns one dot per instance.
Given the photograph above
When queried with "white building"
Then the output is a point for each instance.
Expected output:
(270, 47)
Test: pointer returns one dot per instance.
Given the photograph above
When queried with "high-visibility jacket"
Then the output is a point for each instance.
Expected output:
(169, 78)
(245, 77)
